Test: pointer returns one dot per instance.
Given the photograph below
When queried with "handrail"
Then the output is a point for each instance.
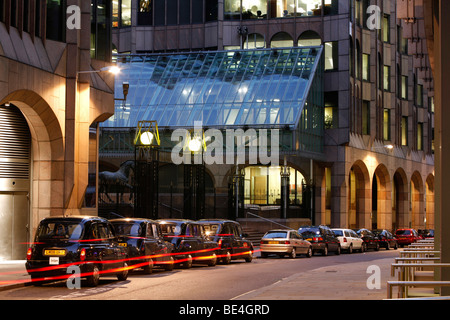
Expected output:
(407, 259)
(268, 220)
(422, 284)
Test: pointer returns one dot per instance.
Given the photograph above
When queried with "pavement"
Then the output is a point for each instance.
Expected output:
(349, 281)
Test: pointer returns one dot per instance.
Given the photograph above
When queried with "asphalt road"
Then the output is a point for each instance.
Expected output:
(222, 282)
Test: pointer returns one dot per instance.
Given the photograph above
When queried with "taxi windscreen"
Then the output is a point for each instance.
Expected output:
(128, 229)
(61, 230)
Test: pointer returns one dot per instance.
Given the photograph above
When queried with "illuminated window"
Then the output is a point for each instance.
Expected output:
(331, 55)
(263, 185)
(145, 12)
(283, 8)
(254, 9)
(126, 13)
(387, 78)
(387, 124)
(366, 67)
(420, 136)
(404, 88)
(254, 41)
(385, 28)
(310, 7)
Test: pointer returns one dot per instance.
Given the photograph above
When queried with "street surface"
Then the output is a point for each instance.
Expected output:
(222, 282)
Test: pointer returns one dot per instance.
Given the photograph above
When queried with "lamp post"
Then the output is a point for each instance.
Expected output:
(146, 153)
(194, 176)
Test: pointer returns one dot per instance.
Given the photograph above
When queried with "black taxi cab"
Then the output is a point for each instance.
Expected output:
(190, 243)
(83, 241)
(145, 243)
(231, 240)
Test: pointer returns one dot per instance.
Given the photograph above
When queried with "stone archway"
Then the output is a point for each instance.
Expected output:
(382, 216)
(47, 154)
(400, 208)
(417, 201)
(429, 202)
(359, 196)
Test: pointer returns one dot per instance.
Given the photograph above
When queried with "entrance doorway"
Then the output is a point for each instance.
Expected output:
(15, 164)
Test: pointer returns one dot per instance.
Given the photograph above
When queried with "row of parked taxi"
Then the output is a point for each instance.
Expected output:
(98, 246)
(94, 246)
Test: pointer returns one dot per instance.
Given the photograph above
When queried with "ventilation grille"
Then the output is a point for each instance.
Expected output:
(15, 143)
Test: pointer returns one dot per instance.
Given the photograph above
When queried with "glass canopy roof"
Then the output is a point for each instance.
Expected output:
(258, 88)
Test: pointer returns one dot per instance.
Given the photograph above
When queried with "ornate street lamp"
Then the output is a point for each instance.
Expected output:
(146, 146)
(194, 175)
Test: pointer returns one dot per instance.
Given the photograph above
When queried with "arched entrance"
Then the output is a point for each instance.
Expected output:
(400, 200)
(381, 199)
(429, 202)
(40, 195)
(359, 196)
(15, 166)
(417, 203)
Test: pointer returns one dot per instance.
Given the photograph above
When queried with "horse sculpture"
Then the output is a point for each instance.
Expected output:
(118, 179)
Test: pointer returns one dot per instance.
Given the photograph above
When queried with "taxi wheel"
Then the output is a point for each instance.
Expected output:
(170, 264)
(213, 261)
(148, 269)
(123, 275)
(227, 258)
(249, 258)
(188, 263)
(94, 278)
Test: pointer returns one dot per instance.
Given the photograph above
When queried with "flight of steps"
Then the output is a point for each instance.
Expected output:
(253, 235)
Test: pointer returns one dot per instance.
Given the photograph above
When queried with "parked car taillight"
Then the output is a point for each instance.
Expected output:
(317, 239)
(83, 254)
(29, 253)
(287, 242)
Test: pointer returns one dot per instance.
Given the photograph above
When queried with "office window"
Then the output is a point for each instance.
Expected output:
(2, 10)
(254, 9)
(419, 95)
(387, 78)
(385, 28)
(331, 55)
(404, 129)
(56, 22)
(331, 7)
(26, 15)
(211, 10)
(172, 12)
(185, 12)
(197, 11)
(402, 43)
(420, 136)
(304, 7)
(254, 41)
(366, 67)
(160, 12)
(404, 88)
(232, 9)
(386, 124)
(331, 100)
(144, 15)
(13, 13)
(37, 18)
(125, 14)
(365, 117)
(358, 12)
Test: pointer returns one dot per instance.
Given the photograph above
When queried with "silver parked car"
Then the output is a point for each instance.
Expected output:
(284, 242)
(349, 240)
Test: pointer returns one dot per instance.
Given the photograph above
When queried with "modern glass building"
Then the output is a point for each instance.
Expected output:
(368, 160)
